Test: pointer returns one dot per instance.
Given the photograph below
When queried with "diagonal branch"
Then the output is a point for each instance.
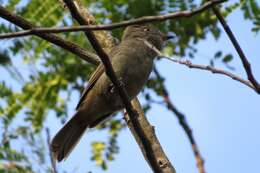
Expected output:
(184, 124)
(142, 20)
(203, 67)
(240, 52)
(214, 70)
(53, 163)
(156, 163)
(70, 46)
(149, 130)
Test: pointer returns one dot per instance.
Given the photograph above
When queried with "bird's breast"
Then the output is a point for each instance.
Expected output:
(132, 64)
(135, 71)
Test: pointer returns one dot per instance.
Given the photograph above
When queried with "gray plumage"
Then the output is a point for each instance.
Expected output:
(132, 62)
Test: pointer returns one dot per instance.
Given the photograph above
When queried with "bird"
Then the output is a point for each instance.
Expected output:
(132, 61)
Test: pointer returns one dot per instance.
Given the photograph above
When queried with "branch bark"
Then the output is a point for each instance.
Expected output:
(149, 131)
(142, 20)
(137, 126)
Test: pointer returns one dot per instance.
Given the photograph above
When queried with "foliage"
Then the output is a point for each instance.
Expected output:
(52, 74)
(251, 10)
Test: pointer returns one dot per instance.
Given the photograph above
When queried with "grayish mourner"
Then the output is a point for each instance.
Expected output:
(132, 61)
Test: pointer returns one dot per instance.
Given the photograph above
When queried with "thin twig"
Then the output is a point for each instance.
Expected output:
(202, 67)
(142, 20)
(67, 45)
(240, 52)
(184, 124)
(155, 163)
(213, 70)
(53, 163)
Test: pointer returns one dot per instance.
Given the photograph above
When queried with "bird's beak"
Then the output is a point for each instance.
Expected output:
(167, 37)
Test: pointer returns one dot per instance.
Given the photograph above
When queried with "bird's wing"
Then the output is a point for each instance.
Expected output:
(93, 79)
(96, 75)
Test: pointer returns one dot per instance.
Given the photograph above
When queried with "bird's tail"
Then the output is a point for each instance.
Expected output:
(66, 139)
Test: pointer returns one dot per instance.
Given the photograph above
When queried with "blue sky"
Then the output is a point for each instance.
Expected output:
(223, 114)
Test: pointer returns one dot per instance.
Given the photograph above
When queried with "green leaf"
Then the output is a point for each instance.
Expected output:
(4, 58)
(227, 58)
(218, 55)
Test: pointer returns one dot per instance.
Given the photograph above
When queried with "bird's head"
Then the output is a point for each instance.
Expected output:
(146, 32)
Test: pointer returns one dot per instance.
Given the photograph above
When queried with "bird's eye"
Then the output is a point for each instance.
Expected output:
(146, 29)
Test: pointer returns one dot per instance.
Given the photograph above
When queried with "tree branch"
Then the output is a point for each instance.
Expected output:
(240, 52)
(184, 124)
(149, 131)
(70, 46)
(214, 70)
(53, 163)
(142, 20)
(156, 163)
(202, 67)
